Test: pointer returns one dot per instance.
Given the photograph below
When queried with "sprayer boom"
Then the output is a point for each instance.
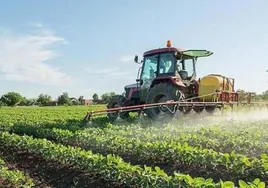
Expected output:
(175, 105)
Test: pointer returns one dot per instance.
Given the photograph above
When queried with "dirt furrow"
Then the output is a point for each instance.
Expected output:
(48, 174)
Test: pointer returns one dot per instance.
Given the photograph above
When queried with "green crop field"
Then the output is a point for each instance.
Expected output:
(52, 147)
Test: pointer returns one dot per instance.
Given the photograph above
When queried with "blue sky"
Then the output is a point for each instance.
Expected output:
(84, 46)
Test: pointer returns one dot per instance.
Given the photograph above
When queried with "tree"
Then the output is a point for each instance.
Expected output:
(263, 96)
(81, 99)
(64, 99)
(2, 104)
(107, 96)
(95, 97)
(43, 99)
(11, 98)
(75, 102)
(30, 101)
(27, 102)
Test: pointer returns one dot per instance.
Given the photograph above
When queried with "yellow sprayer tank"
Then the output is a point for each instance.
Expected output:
(212, 82)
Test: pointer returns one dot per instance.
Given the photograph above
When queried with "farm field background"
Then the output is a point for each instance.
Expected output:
(53, 147)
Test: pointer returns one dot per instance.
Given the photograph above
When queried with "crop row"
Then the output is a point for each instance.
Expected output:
(44, 115)
(221, 138)
(216, 138)
(13, 178)
(231, 164)
(110, 167)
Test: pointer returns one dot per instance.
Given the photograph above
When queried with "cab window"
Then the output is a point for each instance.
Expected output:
(149, 67)
(166, 63)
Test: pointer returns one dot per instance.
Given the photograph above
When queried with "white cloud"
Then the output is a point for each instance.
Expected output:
(109, 72)
(36, 24)
(119, 73)
(23, 58)
(126, 58)
(101, 71)
(39, 25)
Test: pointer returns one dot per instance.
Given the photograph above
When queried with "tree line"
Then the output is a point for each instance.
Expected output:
(16, 99)
(243, 95)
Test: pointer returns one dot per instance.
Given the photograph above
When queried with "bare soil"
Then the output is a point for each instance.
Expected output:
(48, 174)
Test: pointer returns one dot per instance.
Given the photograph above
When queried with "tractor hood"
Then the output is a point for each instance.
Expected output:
(131, 86)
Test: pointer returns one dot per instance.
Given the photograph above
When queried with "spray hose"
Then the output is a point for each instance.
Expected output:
(184, 100)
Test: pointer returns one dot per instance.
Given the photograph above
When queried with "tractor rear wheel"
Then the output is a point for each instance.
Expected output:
(162, 92)
(115, 102)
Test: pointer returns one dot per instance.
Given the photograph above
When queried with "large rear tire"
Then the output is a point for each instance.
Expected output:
(115, 102)
(162, 92)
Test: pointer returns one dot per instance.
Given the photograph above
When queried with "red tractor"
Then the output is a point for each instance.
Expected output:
(167, 82)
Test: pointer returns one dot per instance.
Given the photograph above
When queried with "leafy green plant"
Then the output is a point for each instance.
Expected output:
(110, 167)
(232, 148)
(13, 178)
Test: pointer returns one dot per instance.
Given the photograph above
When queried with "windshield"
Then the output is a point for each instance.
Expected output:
(149, 68)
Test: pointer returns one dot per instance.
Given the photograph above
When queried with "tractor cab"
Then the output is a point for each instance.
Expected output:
(176, 65)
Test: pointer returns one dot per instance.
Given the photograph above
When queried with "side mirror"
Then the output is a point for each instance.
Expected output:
(136, 59)
(139, 81)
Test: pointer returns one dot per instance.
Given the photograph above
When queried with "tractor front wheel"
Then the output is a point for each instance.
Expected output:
(116, 102)
(162, 92)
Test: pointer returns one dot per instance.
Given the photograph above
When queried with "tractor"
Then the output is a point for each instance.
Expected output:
(167, 84)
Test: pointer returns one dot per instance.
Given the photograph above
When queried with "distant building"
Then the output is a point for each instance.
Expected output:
(87, 102)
